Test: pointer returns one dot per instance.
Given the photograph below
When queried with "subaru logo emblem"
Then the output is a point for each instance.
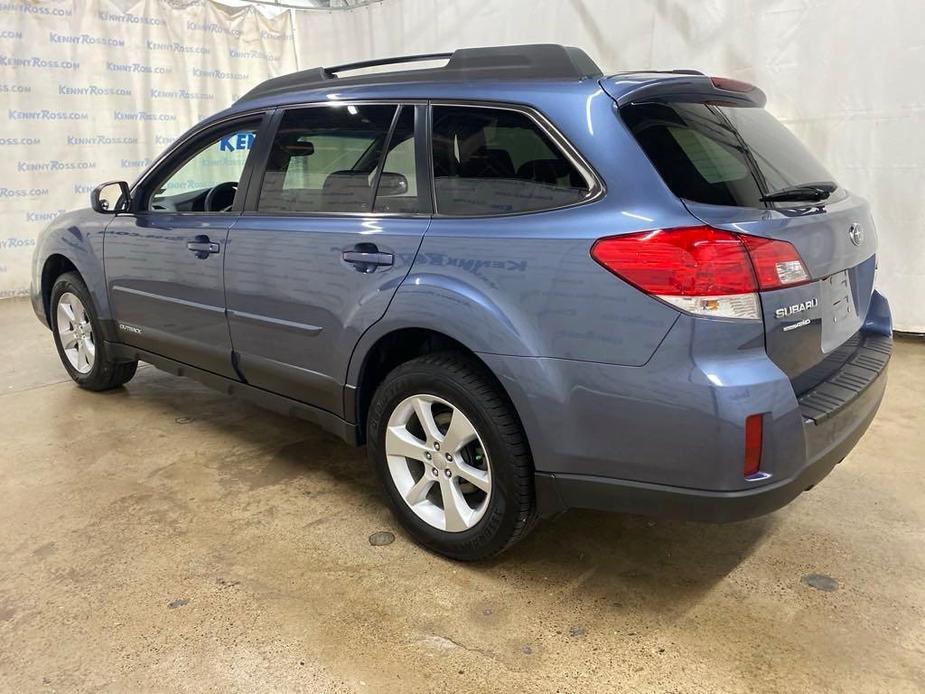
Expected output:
(856, 234)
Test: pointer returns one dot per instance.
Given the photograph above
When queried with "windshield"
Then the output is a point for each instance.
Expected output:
(722, 155)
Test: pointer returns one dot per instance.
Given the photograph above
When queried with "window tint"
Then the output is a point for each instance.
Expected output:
(398, 188)
(721, 155)
(324, 159)
(220, 161)
(496, 161)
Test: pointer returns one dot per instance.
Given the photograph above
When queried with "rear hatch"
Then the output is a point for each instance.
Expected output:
(738, 169)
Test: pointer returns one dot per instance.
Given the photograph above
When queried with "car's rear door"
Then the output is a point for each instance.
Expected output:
(729, 164)
(164, 258)
(331, 226)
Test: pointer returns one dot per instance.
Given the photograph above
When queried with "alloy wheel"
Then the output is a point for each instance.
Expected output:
(438, 463)
(76, 333)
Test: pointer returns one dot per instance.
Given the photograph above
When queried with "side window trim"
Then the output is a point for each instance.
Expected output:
(428, 150)
(260, 156)
(374, 188)
(595, 183)
(141, 189)
(256, 157)
(262, 151)
(423, 160)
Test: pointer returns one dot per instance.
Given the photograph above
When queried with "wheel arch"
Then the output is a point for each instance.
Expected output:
(73, 242)
(55, 265)
(391, 349)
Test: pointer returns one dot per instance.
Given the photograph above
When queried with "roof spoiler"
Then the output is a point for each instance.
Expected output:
(680, 86)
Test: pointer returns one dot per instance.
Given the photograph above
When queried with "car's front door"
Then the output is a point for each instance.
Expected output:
(329, 231)
(164, 258)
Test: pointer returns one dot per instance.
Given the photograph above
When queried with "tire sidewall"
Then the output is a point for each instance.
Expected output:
(69, 283)
(500, 517)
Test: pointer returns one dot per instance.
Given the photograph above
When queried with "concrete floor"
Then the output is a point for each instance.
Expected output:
(165, 537)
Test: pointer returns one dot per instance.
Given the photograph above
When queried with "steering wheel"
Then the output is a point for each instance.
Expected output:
(221, 197)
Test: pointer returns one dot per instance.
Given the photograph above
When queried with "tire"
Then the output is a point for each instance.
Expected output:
(497, 457)
(104, 373)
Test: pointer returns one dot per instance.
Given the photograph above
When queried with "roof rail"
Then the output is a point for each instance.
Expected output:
(530, 61)
(385, 61)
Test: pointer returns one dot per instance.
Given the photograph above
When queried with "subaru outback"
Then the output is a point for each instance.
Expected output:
(523, 285)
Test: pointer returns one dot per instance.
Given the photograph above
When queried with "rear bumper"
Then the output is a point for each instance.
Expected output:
(827, 442)
(667, 438)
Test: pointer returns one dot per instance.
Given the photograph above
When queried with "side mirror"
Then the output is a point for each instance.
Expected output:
(391, 183)
(111, 197)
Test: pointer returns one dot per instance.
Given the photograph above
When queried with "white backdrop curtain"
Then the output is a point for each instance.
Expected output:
(845, 75)
(848, 76)
(93, 90)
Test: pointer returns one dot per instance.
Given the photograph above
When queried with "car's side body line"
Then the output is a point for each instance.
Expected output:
(169, 299)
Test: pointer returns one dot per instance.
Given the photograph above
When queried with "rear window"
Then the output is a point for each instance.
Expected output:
(722, 155)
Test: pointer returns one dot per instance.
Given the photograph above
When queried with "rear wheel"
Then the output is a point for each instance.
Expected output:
(452, 456)
(78, 337)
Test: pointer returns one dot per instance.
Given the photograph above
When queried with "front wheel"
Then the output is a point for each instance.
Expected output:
(452, 457)
(79, 340)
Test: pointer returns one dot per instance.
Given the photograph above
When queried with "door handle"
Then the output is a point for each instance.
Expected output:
(368, 261)
(202, 247)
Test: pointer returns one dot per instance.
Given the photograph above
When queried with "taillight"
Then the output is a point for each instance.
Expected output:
(753, 435)
(702, 270)
(777, 263)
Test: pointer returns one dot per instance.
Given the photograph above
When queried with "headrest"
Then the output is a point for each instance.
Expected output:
(487, 163)
(346, 191)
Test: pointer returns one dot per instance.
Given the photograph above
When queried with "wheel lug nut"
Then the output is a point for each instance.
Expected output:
(435, 471)
(447, 472)
(428, 456)
(449, 457)
(436, 445)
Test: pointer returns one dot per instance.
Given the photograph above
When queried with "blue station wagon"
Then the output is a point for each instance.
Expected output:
(523, 285)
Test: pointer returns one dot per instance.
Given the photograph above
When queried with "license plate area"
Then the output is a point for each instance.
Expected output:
(839, 312)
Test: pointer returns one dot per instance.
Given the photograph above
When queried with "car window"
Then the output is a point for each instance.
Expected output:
(721, 155)
(398, 189)
(214, 168)
(498, 161)
(324, 159)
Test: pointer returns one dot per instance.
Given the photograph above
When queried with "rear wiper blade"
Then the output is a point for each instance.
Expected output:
(807, 191)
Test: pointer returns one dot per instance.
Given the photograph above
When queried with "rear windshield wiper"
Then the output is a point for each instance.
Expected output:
(807, 191)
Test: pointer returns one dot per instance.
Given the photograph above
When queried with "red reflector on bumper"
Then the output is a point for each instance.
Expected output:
(753, 430)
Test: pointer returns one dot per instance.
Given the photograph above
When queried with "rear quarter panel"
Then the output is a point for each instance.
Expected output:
(526, 284)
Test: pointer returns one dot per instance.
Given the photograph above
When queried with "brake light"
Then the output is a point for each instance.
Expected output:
(702, 270)
(731, 85)
(753, 435)
(690, 261)
(777, 263)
